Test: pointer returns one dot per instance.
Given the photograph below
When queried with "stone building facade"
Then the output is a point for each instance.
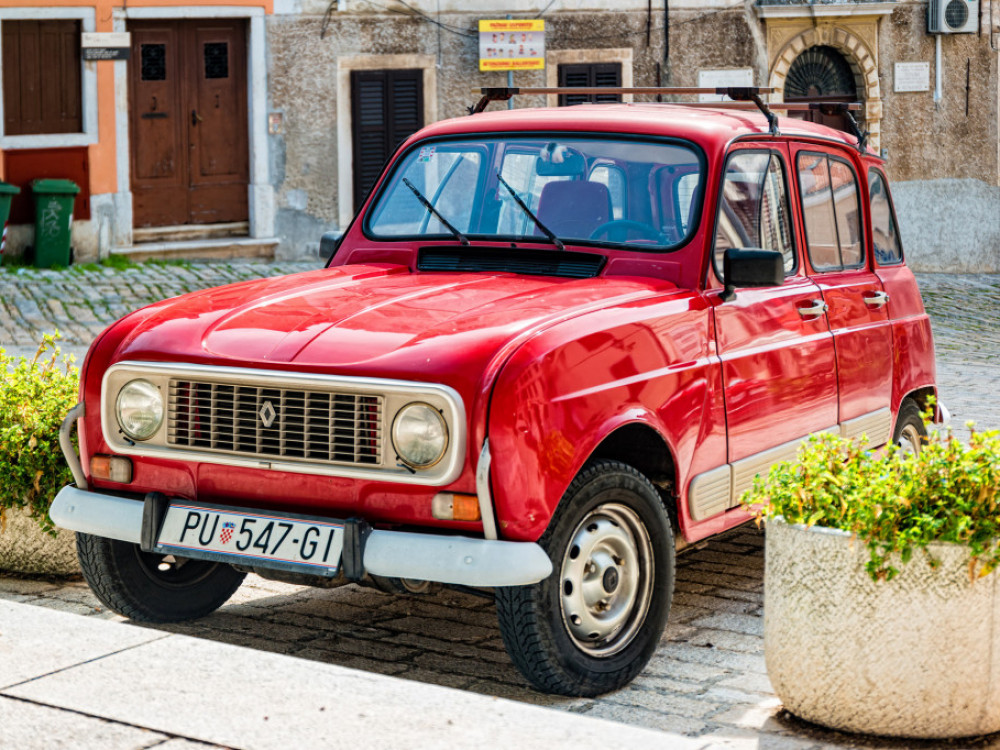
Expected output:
(314, 70)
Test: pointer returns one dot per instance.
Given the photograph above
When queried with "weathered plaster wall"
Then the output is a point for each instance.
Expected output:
(932, 140)
(949, 225)
(943, 162)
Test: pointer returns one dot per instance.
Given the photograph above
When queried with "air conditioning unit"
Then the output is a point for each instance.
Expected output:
(953, 17)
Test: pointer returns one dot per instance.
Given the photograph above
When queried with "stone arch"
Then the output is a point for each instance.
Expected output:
(858, 55)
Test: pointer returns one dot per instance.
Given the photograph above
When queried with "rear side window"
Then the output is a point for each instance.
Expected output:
(753, 207)
(831, 210)
(885, 238)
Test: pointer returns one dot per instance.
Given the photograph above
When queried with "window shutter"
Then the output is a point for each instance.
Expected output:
(387, 108)
(41, 77)
(589, 75)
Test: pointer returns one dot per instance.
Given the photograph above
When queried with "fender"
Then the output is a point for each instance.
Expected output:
(564, 391)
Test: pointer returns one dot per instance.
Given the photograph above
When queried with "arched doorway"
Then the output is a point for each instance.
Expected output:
(821, 73)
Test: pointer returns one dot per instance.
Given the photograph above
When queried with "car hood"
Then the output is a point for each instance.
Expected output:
(374, 320)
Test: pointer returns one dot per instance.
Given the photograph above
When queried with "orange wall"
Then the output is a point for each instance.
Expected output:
(103, 166)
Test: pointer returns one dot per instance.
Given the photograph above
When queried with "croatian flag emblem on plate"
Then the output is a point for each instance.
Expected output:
(227, 532)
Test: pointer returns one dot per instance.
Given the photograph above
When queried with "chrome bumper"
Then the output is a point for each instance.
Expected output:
(392, 554)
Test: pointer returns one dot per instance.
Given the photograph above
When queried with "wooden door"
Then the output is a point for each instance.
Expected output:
(190, 161)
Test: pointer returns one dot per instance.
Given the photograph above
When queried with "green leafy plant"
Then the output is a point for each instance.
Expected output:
(895, 502)
(35, 395)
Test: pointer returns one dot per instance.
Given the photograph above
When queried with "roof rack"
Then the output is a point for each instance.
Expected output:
(743, 97)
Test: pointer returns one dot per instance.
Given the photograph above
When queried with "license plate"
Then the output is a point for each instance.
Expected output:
(254, 538)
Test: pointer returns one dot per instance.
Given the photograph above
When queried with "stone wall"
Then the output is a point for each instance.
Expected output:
(944, 162)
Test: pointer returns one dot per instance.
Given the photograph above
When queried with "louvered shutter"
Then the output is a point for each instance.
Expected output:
(41, 77)
(387, 109)
(590, 75)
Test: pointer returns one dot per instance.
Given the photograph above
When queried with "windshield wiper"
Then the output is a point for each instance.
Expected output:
(538, 222)
(430, 207)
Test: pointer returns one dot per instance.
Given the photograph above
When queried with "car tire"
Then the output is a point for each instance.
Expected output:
(911, 432)
(594, 623)
(148, 587)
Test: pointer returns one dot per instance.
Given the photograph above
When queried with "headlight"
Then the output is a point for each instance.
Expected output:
(419, 435)
(140, 409)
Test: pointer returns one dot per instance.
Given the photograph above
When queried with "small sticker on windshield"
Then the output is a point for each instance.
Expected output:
(426, 153)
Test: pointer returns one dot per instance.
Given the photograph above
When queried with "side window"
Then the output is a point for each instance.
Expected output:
(846, 205)
(753, 207)
(831, 212)
(613, 178)
(885, 238)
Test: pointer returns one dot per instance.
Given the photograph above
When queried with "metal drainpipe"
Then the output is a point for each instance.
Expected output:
(666, 37)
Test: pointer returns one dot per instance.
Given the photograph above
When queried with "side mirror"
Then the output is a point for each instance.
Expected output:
(329, 243)
(751, 267)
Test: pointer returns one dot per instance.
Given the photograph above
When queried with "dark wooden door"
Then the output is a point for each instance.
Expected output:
(387, 108)
(190, 160)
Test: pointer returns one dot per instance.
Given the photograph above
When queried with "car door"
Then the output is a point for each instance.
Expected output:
(775, 346)
(834, 228)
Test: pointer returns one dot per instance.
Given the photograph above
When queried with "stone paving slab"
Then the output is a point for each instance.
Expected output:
(191, 690)
(707, 680)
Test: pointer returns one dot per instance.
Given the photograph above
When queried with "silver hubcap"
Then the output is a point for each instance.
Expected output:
(606, 580)
(910, 439)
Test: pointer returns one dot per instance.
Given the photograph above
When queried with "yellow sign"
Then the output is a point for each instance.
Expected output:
(512, 44)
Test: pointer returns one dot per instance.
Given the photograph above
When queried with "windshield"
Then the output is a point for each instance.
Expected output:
(545, 189)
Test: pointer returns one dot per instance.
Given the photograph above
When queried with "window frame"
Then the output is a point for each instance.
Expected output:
(892, 214)
(88, 81)
(841, 267)
(788, 199)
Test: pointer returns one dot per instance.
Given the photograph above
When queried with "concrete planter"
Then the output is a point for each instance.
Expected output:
(25, 548)
(918, 656)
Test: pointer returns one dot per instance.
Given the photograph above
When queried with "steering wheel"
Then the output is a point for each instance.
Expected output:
(623, 227)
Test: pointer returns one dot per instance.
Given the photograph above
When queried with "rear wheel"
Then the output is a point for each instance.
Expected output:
(911, 432)
(594, 623)
(153, 588)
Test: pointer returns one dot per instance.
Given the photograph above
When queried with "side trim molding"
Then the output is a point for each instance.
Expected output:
(720, 489)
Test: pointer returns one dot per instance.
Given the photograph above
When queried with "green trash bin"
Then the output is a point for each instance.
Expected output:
(7, 193)
(53, 219)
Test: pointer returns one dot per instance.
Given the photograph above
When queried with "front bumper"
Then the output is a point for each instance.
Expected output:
(391, 554)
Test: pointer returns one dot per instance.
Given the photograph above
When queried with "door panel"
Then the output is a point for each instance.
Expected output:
(217, 124)
(159, 159)
(855, 299)
(778, 360)
(778, 367)
(190, 161)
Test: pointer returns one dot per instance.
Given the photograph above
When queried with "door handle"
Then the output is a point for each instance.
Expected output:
(195, 117)
(816, 308)
(876, 299)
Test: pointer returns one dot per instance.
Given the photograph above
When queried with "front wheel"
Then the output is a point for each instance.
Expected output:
(148, 587)
(594, 623)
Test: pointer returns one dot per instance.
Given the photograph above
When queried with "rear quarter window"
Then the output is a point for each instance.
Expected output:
(886, 245)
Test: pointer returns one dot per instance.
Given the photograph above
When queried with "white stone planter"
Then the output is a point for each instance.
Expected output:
(918, 656)
(25, 548)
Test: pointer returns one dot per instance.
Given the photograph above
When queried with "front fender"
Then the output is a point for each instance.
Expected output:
(563, 392)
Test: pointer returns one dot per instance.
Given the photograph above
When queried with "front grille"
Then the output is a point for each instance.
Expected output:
(320, 426)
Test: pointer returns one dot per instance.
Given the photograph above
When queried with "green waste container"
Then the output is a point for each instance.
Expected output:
(53, 219)
(7, 193)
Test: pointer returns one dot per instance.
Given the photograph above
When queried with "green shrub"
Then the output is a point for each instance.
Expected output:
(893, 501)
(35, 395)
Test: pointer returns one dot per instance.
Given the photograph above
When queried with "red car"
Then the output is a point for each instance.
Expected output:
(555, 346)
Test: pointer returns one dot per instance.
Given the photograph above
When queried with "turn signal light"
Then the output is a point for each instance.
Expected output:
(452, 506)
(112, 468)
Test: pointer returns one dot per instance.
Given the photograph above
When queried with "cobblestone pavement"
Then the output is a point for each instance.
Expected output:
(708, 677)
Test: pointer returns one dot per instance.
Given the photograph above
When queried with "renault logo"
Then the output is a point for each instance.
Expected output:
(267, 414)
